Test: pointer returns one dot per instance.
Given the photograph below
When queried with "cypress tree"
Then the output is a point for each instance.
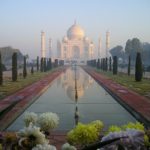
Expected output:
(24, 67)
(98, 64)
(45, 65)
(42, 64)
(50, 63)
(14, 67)
(32, 69)
(56, 63)
(110, 64)
(37, 63)
(129, 65)
(1, 71)
(106, 64)
(138, 67)
(115, 65)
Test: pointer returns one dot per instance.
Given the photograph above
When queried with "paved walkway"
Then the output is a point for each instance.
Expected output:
(136, 104)
(13, 105)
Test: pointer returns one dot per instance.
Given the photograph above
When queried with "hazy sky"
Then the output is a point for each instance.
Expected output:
(21, 21)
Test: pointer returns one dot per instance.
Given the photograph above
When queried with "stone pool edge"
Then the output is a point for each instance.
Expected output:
(137, 105)
(25, 97)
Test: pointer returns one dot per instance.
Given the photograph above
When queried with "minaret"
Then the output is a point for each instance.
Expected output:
(43, 50)
(107, 43)
(50, 48)
(99, 47)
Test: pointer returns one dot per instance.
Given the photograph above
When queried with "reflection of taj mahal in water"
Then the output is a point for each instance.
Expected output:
(83, 82)
(75, 46)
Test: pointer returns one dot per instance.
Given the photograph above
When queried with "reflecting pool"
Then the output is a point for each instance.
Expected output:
(92, 102)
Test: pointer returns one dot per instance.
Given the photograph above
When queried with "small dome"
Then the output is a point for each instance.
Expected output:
(75, 32)
(65, 39)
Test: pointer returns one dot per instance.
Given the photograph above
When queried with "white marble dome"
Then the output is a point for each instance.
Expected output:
(75, 32)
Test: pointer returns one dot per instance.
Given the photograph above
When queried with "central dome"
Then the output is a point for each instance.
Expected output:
(75, 32)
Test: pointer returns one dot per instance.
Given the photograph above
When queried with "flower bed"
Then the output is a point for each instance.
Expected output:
(35, 135)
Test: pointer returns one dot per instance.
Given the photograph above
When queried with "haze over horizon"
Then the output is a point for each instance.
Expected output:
(22, 21)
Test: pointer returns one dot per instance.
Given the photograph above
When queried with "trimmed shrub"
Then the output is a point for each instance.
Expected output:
(24, 67)
(1, 71)
(115, 65)
(129, 66)
(138, 68)
(14, 67)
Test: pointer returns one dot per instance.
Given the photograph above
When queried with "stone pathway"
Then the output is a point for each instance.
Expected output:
(136, 104)
(13, 105)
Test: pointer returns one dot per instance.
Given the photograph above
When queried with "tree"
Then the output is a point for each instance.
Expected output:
(37, 63)
(14, 67)
(24, 67)
(32, 69)
(98, 64)
(1, 71)
(117, 51)
(132, 47)
(109, 63)
(106, 64)
(129, 66)
(42, 64)
(115, 65)
(45, 68)
(138, 67)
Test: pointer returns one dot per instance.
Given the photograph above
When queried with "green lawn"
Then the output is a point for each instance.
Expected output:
(10, 87)
(142, 87)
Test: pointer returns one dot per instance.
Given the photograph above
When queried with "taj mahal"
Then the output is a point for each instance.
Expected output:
(75, 46)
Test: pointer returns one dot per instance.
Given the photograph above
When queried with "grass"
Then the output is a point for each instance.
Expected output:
(143, 87)
(10, 87)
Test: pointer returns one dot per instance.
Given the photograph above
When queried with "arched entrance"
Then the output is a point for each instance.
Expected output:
(75, 52)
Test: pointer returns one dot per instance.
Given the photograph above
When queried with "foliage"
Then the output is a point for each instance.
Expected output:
(114, 128)
(24, 68)
(130, 125)
(31, 136)
(67, 146)
(110, 63)
(1, 71)
(138, 68)
(32, 69)
(48, 121)
(129, 65)
(99, 125)
(42, 65)
(37, 63)
(84, 134)
(98, 64)
(132, 47)
(30, 117)
(14, 67)
(115, 65)
(44, 147)
(117, 51)
(7, 53)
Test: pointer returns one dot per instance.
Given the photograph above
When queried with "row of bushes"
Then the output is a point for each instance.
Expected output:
(106, 64)
(44, 65)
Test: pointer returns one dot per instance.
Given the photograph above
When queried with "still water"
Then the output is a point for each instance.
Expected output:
(93, 102)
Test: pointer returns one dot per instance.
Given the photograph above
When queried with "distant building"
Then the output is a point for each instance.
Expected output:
(75, 47)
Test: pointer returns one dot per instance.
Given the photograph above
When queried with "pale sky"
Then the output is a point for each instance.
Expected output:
(21, 21)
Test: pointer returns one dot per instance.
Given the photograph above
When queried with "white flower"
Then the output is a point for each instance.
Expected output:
(44, 147)
(34, 133)
(67, 146)
(48, 121)
(30, 117)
